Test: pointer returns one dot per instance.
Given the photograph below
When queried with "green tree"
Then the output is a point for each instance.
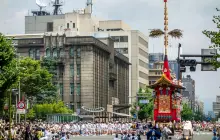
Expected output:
(214, 36)
(41, 110)
(199, 116)
(146, 110)
(36, 82)
(186, 113)
(8, 72)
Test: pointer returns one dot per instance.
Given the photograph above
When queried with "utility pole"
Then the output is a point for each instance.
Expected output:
(10, 92)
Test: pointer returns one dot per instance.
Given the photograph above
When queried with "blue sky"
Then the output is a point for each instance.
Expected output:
(192, 16)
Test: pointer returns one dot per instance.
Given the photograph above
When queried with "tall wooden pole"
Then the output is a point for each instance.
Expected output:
(165, 26)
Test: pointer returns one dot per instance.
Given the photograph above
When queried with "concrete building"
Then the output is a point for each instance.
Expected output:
(156, 67)
(90, 72)
(216, 106)
(189, 92)
(131, 43)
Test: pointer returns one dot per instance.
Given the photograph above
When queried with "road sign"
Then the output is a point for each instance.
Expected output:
(144, 101)
(21, 111)
(21, 105)
(207, 66)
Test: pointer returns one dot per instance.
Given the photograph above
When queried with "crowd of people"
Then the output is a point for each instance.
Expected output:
(120, 130)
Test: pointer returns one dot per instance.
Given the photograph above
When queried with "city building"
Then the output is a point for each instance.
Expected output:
(90, 72)
(131, 43)
(189, 90)
(216, 106)
(156, 67)
(199, 106)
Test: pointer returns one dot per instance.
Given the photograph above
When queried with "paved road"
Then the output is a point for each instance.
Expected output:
(202, 136)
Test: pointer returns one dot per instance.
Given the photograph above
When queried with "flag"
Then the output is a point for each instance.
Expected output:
(165, 0)
(166, 69)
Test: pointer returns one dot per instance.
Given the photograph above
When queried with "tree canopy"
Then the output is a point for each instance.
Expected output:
(36, 81)
(39, 111)
(146, 110)
(8, 71)
(214, 36)
(186, 112)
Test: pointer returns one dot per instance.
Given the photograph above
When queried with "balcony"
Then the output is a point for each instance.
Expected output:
(112, 76)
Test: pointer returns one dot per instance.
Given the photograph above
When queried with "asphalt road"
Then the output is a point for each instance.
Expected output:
(201, 136)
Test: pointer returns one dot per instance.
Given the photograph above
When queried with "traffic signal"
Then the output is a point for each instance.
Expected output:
(187, 62)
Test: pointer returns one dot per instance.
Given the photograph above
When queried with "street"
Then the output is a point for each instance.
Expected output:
(201, 136)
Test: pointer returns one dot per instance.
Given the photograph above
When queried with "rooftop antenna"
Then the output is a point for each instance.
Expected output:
(57, 4)
(41, 3)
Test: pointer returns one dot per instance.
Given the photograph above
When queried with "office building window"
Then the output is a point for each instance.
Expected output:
(122, 50)
(78, 89)
(71, 88)
(48, 52)
(74, 25)
(62, 53)
(72, 70)
(143, 42)
(37, 54)
(31, 53)
(78, 69)
(61, 88)
(49, 26)
(72, 52)
(78, 52)
(68, 26)
(72, 105)
(120, 38)
(143, 75)
(55, 52)
(143, 64)
(143, 53)
(78, 105)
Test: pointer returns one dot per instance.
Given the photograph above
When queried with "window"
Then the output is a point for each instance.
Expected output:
(71, 70)
(111, 84)
(37, 54)
(72, 52)
(78, 52)
(62, 53)
(55, 52)
(143, 42)
(120, 38)
(61, 88)
(143, 75)
(68, 26)
(74, 25)
(48, 52)
(143, 53)
(122, 50)
(31, 53)
(78, 69)
(78, 89)
(71, 88)
(78, 105)
(143, 64)
(49, 26)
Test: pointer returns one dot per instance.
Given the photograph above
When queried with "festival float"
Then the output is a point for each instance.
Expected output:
(167, 98)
